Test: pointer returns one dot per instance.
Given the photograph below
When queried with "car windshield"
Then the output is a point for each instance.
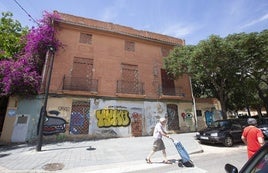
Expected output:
(264, 121)
(220, 124)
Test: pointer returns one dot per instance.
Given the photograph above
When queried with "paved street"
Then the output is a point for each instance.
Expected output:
(99, 156)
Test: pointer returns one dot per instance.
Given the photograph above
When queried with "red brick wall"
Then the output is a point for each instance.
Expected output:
(107, 50)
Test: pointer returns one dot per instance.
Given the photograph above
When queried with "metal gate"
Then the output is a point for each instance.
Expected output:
(173, 119)
(79, 117)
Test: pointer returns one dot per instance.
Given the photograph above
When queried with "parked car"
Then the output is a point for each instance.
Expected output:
(226, 132)
(263, 125)
(258, 163)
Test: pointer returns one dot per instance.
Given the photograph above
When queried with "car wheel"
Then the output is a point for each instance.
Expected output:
(228, 141)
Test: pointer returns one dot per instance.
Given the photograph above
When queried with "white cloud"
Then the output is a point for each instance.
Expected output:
(178, 30)
(111, 12)
(263, 18)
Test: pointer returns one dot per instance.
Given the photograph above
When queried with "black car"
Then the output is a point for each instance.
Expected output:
(226, 132)
(263, 125)
(258, 163)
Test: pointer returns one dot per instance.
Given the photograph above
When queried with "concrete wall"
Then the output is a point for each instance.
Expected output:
(140, 116)
(17, 108)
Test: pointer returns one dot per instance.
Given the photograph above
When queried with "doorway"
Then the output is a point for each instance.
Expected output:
(173, 119)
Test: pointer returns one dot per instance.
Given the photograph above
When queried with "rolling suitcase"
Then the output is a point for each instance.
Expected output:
(185, 158)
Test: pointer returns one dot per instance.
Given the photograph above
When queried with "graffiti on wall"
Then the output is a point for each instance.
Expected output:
(52, 124)
(188, 119)
(173, 119)
(112, 117)
(212, 116)
(136, 124)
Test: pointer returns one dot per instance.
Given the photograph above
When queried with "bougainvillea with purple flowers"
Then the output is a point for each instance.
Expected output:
(22, 74)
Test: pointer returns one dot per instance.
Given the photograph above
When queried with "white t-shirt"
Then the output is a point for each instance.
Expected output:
(157, 131)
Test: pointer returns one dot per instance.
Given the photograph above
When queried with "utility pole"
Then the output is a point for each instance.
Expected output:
(43, 114)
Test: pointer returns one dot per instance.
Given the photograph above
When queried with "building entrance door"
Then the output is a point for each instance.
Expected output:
(173, 119)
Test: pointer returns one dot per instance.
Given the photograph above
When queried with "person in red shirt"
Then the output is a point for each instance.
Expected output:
(252, 137)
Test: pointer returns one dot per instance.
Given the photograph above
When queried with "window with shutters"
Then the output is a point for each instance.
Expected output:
(129, 72)
(81, 76)
(168, 86)
(129, 82)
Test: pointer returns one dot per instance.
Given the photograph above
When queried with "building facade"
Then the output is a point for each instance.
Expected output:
(107, 81)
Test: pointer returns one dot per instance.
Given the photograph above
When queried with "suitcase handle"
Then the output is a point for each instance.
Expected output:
(171, 139)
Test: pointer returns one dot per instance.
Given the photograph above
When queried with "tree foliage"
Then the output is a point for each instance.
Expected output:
(232, 69)
(22, 74)
(11, 33)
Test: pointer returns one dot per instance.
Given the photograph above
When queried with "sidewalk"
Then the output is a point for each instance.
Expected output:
(108, 155)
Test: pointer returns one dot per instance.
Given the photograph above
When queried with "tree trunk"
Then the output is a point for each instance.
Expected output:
(248, 109)
(264, 98)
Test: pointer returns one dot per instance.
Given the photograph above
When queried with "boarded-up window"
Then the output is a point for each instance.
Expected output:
(82, 67)
(130, 80)
(85, 38)
(82, 73)
(130, 46)
(129, 72)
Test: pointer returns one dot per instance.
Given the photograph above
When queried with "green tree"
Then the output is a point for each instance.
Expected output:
(210, 66)
(232, 69)
(11, 32)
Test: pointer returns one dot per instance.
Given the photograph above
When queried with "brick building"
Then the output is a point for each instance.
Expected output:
(107, 81)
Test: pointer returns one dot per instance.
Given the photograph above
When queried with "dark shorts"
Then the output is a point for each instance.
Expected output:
(158, 145)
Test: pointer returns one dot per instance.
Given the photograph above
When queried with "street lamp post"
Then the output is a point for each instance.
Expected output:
(43, 114)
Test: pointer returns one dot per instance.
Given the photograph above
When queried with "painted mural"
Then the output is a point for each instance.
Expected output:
(52, 124)
(189, 120)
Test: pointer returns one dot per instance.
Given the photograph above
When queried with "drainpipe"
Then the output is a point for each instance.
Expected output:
(194, 105)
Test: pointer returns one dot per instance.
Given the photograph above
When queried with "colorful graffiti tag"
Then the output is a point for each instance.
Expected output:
(112, 118)
(136, 124)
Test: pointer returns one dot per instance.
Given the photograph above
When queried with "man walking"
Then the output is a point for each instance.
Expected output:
(252, 137)
(158, 143)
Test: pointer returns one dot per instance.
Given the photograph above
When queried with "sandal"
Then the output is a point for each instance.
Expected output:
(148, 161)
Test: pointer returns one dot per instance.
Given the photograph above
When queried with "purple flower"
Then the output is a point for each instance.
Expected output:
(22, 74)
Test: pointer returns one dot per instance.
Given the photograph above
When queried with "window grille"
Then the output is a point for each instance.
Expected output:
(79, 120)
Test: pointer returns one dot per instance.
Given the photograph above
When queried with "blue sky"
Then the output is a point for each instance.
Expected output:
(191, 20)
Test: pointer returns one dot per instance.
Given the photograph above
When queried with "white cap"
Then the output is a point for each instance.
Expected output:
(252, 121)
(162, 119)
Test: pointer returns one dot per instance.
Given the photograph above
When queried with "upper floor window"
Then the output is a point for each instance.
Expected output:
(129, 72)
(85, 38)
(130, 46)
